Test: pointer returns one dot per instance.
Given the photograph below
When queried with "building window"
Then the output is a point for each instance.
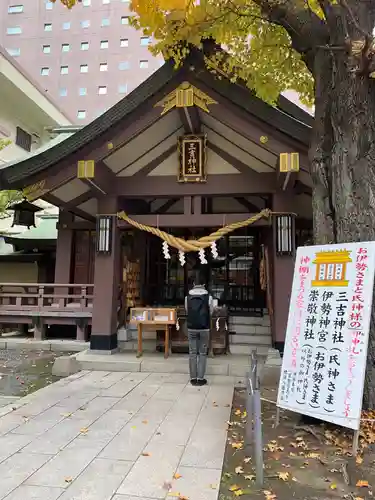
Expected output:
(81, 114)
(46, 49)
(23, 139)
(15, 9)
(84, 45)
(86, 3)
(44, 71)
(66, 26)
(102, 90)
(65, 47)
(14, 52)
(105, 21)
(122, 89)
(83, 91)
(104, 44)
(84, 68)
(63, 92)
(103, 67)
(64, 70)
(143, 64)
(49, 5)
(123, 65)
(125, 20)
(124, 42)
(14, 30)
(48, 27)
(145, 40)
(85, 24)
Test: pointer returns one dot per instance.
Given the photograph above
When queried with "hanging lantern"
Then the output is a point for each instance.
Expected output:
(24, 214)
(166, 253)
(285, 234)
(202, 256)
(181, 256)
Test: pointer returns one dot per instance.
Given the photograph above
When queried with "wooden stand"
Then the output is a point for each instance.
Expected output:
(151, 317)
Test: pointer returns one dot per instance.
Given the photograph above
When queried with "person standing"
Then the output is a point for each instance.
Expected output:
(199, 307)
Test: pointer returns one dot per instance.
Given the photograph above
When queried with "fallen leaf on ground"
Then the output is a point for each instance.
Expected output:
(291, 454)
(177, 476)
(250, 477)
(84, 430)
(333, 486)
(295, 479)
(362, 484)
(238, 493)
(282, 437)
(359, 460)
(247, 460)
(213, 486)
(144, 421)
(66, 414)
(237, 445)
(283, 475)
(174, 494)
(234, 487)
(68, 479)
(238, 413)
(313, 455)
(146, 454)
(239, 470)
(269, 495)
(183, 497)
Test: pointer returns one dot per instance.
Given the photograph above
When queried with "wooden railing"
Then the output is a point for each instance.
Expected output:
(48, 298)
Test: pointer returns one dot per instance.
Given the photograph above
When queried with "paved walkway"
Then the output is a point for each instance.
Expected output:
(116, 436)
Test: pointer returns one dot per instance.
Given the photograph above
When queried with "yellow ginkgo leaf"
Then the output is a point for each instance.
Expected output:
(234, 487)
(68, 479)
(84, 430)
(239, 470)
(283, 475)
(333, 486)
(177, 476)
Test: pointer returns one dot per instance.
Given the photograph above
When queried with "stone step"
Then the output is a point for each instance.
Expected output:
(244, 349)
(250, 329)
(249, 320)
(251, 339)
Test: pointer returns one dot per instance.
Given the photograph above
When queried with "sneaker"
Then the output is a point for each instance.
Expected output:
(193, 381)
(201, 381)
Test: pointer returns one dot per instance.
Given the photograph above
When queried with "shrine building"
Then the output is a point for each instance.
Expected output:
(186, 154)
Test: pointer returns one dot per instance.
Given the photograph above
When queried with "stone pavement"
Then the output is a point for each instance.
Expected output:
(116, 436)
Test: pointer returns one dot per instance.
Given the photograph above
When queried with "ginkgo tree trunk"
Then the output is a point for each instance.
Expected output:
(324, 50)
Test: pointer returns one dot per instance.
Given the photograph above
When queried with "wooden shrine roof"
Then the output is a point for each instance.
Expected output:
(287, 118)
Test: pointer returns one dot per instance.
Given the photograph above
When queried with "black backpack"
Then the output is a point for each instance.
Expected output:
(198, 312)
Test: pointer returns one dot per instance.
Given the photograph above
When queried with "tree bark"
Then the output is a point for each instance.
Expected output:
(342, 155)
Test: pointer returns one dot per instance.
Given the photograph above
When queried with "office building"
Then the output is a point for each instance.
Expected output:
(86, 58)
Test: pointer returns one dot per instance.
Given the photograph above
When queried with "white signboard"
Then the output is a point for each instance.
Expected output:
(327, 334)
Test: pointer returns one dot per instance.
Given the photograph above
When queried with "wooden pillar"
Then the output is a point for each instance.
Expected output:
(106, 287)
(64, 249)
(283, 268)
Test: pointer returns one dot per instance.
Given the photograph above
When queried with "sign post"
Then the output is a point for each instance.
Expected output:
(327, 334)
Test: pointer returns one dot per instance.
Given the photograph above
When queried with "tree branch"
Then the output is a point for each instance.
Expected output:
(304, 27)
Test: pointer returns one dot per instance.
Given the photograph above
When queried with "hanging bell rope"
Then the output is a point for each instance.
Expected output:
(195, 245)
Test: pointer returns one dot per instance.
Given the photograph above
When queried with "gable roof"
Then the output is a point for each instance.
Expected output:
(13, 174)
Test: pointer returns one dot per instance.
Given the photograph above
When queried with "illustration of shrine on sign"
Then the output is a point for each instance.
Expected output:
(331, 268)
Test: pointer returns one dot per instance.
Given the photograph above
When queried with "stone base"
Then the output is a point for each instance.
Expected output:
(103, 342)
(65, 366)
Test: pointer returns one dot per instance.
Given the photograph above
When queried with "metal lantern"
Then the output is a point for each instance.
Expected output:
(285, 234)
(24, 214)
(104, 228)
